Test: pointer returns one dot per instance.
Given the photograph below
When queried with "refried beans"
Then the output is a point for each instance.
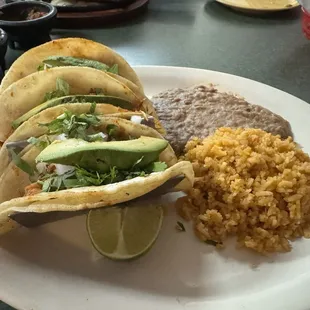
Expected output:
(199, 111)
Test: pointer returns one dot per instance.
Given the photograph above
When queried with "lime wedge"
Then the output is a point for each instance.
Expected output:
(124, 233)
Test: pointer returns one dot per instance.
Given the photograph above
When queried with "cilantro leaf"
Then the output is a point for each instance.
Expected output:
(41, 143)
(112, 130)
(113, 69)
(73, 126)
(62, 86)
(62, 89)
(156, 166)
(80, 177)
(92, 108)
(41, 67)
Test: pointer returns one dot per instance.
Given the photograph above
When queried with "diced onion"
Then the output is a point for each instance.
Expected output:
(41, 167)
(61, 137)
(136, 119)
(61, 169)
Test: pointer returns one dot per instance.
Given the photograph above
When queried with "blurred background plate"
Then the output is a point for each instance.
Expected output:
(261, 5)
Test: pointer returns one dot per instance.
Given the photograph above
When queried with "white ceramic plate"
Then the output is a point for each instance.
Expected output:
(55, 267)
(261, 5)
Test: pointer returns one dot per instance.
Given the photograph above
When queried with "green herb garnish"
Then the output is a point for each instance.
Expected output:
(62, 89)
(73, 126)
(41, 67)
(42, 143)
(157, 166)
(79, 177)
(113, 69)
(92, 107)
(112, 130)
(53, 182)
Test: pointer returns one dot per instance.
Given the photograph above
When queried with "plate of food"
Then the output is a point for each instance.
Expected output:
(149, 187)
(261, 5)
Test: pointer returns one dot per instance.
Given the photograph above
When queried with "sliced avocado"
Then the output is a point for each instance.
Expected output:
(119, 102)
(63, 61)
(101, 156)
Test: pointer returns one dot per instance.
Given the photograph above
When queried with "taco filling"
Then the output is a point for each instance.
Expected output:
(76, 163)
(86, 153)
(64, 61)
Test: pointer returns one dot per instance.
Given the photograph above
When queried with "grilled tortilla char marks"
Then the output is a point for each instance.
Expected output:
(200, 110)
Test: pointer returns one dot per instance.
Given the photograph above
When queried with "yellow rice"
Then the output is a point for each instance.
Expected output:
(251, 184)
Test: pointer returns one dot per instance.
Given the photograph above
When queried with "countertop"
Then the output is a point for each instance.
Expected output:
(204, 34)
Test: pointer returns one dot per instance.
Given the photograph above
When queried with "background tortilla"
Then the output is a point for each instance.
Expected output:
(28, 63)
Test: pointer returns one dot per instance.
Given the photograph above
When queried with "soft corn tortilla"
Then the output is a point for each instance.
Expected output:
(93, 197)
(28, 63)
(32, 127)
(147, 105)
(10, 172)
(29, 92)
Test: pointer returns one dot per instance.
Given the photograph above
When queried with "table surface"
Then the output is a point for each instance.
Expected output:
(204, 34)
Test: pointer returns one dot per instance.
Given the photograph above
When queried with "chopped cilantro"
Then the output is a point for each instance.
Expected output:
(157, 166)
(73, 126)
(62, 89)
(113, 69)
(92, 108)
(112, 130)
(79, 177)
(39, 142)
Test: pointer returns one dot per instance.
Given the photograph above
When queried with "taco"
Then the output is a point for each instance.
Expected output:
(85, 126)
(70, 174)
(56, 86)
(69, 52)
(45, 122)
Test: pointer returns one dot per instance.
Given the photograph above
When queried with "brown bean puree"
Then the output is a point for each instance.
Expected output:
(199, 111)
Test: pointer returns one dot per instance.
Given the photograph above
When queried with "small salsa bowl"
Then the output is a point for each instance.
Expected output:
(27, 23)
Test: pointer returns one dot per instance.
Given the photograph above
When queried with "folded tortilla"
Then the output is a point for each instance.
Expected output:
(33, 127)
(93, 197)
(30, 91)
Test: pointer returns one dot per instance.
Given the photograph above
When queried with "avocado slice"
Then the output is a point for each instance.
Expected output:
(62, 61)
(101, 156)
(119, 102)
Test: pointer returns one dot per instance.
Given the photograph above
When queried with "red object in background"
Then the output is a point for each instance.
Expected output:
(306, 23)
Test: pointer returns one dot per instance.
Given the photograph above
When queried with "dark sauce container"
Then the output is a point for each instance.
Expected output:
(27, 23)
